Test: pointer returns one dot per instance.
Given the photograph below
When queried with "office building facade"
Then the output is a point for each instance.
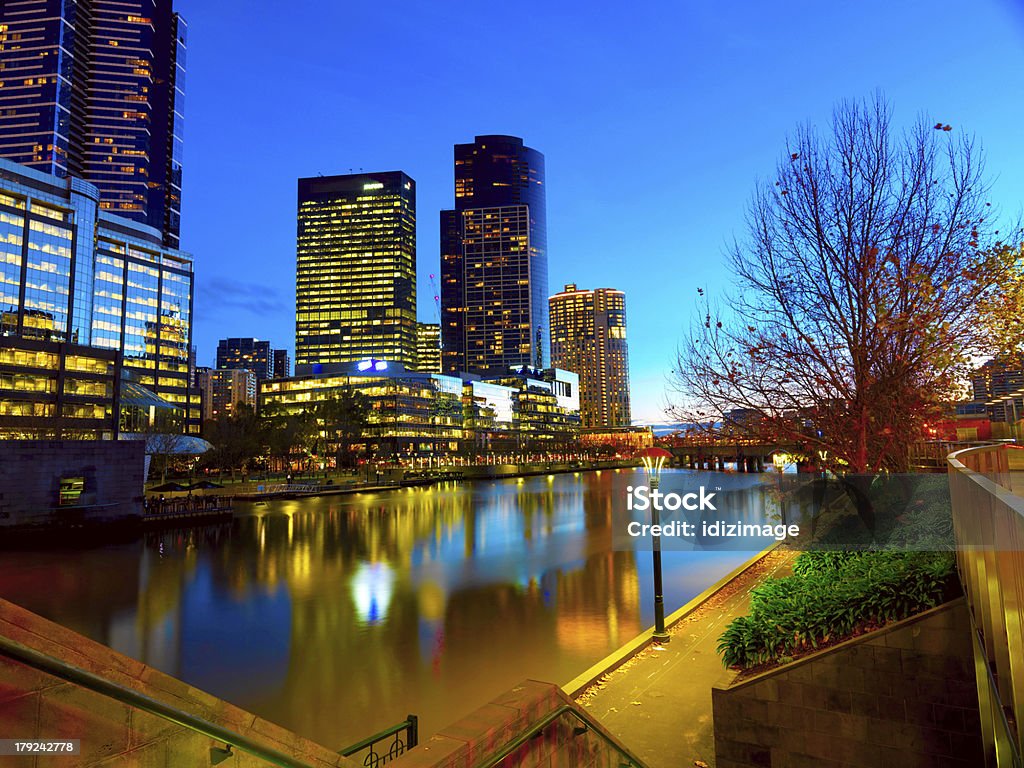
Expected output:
(416, 415)
(428, 347)
(95, 89)
(248, 354)
(494, 269)
(588, 337)
(86, 299)
(355, 290)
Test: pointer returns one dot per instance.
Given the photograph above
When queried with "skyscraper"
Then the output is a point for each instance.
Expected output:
(246, 354)
(95, 89)
(494, 266)
(588, 337)
(355, 283)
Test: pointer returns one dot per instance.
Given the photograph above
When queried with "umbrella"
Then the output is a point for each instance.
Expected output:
(204, 485)
(169, 488)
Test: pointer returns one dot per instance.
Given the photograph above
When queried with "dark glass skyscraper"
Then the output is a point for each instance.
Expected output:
(95, 89)
(355, 276)
(246, 354)
(494, 264)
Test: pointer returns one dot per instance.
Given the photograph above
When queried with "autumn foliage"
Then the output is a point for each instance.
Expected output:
(859, 293)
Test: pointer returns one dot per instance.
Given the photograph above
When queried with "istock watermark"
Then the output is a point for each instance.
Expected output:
(641, 498)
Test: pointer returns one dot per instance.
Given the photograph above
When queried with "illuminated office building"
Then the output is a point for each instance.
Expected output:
(95, 89)
(246, 353)
(588, 337)
(93, 309)
(412, 414)
(428, 347)
(418, 415)
(494, 268)
(355, 290)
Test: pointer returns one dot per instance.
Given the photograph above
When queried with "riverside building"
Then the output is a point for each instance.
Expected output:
(355, 287)
(95, 90)
(417, 415)
(95, 315)
(588, 336)
(494, 264)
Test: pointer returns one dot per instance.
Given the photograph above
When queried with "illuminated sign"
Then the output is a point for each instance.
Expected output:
(373, 185)
(376, 365)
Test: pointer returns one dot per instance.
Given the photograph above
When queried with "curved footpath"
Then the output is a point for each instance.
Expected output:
(657, 699)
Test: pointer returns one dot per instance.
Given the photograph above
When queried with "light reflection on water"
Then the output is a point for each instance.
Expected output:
(338, 616)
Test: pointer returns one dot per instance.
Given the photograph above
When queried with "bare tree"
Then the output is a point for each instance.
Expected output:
(853, 309)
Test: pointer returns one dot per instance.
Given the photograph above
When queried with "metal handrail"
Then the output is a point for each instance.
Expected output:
(410, 725)
(93, 682)
(523, 738)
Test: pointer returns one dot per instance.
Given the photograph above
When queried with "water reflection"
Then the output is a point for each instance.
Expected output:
(338, 616)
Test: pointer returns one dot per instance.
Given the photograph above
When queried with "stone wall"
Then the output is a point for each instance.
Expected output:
(904, 695)
(36, 705)
(31, 472)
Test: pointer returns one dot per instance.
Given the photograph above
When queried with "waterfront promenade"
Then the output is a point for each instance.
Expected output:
(658, 703)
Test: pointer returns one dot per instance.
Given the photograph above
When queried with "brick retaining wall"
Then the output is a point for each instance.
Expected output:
(31, 471)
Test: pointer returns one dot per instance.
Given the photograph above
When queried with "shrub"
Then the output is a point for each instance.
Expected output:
(831, 595)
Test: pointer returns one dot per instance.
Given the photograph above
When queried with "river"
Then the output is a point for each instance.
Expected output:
(338, 616)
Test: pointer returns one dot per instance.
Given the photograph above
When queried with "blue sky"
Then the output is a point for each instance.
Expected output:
(656, 119)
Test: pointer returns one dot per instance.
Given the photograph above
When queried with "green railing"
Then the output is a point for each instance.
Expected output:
(72, 674)
(410, 727)
(587, 725)
(988, 519)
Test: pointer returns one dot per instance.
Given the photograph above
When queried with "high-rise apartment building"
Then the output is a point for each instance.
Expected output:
(95, 89)
(223, 390)
(246, 354)
(588, 337)
(95, 313)
(494, 267)
(428, 347)
(355, 285)
(282, 364)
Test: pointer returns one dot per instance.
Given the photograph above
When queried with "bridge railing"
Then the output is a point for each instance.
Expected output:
(988, 519)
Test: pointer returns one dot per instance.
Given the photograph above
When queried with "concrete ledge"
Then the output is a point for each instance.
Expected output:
(617, 658)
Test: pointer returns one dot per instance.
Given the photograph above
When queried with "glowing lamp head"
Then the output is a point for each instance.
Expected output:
(654, 459)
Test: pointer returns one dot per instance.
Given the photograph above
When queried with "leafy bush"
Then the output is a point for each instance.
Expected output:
(832, 594)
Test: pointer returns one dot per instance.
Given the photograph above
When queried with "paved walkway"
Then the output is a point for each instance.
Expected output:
(659, 702)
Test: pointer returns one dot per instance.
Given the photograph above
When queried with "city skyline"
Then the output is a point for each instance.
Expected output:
(652, 154)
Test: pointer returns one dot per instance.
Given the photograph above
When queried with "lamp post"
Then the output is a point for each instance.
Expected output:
(654, 459)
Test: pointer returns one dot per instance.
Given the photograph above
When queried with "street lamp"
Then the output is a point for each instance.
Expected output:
(654, 459)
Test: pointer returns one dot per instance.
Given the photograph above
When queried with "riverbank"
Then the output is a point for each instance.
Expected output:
(396, 478)
(646, 690)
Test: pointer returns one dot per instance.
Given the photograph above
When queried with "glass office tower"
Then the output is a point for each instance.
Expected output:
(494, 268)
(95, 89)
(588, 337)
(355, 285)
(84, 297)
(246, 354)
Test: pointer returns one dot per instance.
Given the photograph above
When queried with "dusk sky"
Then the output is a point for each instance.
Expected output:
(655, 119)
